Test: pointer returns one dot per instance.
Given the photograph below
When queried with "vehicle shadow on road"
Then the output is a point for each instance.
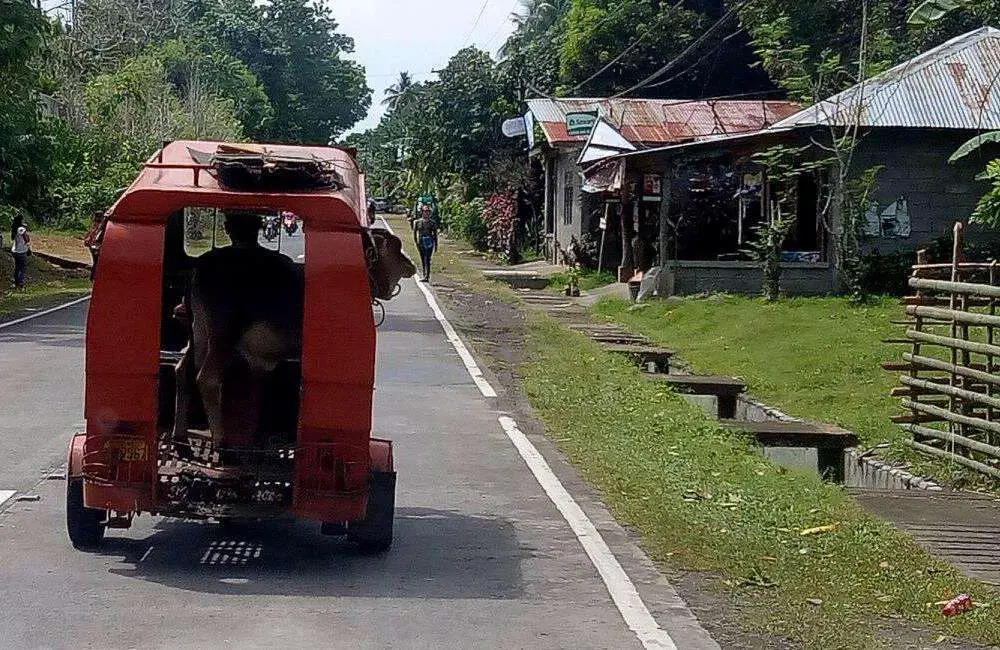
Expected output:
(436, 554)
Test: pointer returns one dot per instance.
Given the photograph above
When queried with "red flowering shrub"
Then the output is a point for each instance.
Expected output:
(500, 215)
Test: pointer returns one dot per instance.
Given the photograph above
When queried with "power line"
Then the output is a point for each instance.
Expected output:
(475, 24)
(610, 63)
(671, 64)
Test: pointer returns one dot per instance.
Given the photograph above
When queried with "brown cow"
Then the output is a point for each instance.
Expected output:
(245, 308)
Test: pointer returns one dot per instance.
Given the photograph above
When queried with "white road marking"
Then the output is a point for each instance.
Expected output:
(145, 555)
(44, 313)
(6, 494)
(456, 342)
(623, 592)
(620, 586)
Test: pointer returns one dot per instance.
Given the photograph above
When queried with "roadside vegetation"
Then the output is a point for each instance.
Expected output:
(48, 286)
(815, 358)
(704, 499)
(810, 357)
(587, 279)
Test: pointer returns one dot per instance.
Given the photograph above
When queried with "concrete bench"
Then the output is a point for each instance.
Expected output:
(725, 389)
(609, 334)
(650, 357)
(828, 440)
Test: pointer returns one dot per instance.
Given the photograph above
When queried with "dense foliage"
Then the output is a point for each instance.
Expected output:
(88, 95)
(443, 136)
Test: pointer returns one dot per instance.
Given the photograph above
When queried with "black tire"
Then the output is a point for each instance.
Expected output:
(84, 525)
(373, 534)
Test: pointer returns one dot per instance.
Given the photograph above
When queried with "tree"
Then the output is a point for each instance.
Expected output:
(173, 91)
(294, 49)
(401, 93)
(22, 147)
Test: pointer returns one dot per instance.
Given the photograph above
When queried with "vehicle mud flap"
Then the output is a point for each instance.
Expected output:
(84, 525)
(373, 534)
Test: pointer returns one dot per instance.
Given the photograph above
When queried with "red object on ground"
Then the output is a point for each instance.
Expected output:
(958, 605)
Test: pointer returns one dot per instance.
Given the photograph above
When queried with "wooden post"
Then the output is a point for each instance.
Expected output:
(625, 269)
(666, 287)
(604, 236)
(953, 380)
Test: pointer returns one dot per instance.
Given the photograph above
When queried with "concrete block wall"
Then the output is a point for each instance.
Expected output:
(688, 278)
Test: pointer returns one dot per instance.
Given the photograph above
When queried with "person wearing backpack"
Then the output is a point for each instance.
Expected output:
(20, 249)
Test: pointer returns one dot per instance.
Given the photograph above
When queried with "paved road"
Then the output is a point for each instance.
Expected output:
(482, 557)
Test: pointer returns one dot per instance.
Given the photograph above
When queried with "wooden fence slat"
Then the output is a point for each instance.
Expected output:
(944, 366)
(928, 387)
(968, 288)
(954, 315)
(957, 418)
(958, 458)
(949, 342)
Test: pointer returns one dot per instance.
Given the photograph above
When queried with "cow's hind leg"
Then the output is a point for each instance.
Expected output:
(182, 406)
(210, 380)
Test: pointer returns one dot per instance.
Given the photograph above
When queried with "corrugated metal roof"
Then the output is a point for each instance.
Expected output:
(953, 86)
(660, 121)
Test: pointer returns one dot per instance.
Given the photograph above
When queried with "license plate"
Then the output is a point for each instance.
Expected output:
(132, 450)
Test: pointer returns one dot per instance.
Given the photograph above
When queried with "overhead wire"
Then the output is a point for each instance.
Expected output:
(482, 10)
(687, 51)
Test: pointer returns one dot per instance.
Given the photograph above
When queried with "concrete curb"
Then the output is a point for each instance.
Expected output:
(62, 262)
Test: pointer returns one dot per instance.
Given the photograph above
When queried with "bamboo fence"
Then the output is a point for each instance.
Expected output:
(950, 386)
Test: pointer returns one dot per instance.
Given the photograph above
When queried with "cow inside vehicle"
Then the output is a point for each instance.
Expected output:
(233, 337)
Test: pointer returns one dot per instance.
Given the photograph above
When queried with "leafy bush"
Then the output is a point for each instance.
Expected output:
(466, 222)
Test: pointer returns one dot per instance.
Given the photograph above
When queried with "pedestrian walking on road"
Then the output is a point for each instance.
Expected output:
(20, 249)
(425, 235)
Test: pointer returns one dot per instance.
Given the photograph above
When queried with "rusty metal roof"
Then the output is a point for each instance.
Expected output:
(953, 86)
(660, 121)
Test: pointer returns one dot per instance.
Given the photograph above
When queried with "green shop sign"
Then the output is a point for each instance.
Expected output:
(580, 123)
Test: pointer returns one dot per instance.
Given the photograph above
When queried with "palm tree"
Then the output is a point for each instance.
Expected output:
(534, 19)
(400, 93)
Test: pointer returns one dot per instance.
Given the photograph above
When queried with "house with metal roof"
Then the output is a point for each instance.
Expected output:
(909, 120)
(568, 125)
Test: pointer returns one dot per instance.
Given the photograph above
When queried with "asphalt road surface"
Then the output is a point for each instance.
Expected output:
(482, 557)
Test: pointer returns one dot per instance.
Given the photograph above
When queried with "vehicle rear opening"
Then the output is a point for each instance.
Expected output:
(247, 468)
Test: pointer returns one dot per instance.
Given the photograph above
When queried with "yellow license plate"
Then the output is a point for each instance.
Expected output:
(132, 450)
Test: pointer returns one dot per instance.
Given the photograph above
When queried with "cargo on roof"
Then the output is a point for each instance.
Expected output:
(180, 175)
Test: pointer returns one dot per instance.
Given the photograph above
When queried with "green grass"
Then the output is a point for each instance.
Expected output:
(589, 279)
(810, 357)
(703, 499)
(816, 358)
(47, 286)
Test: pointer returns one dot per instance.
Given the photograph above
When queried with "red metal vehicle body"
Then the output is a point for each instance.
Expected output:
(335, 472)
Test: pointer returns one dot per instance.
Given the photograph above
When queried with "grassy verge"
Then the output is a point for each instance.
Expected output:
(817, 358)
(810, 357)
(48, 286)
(703, 499)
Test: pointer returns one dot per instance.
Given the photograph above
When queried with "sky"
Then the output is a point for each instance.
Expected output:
(418, 36)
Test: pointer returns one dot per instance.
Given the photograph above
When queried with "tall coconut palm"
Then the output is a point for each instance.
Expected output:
(400, 93)
(532, 21)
